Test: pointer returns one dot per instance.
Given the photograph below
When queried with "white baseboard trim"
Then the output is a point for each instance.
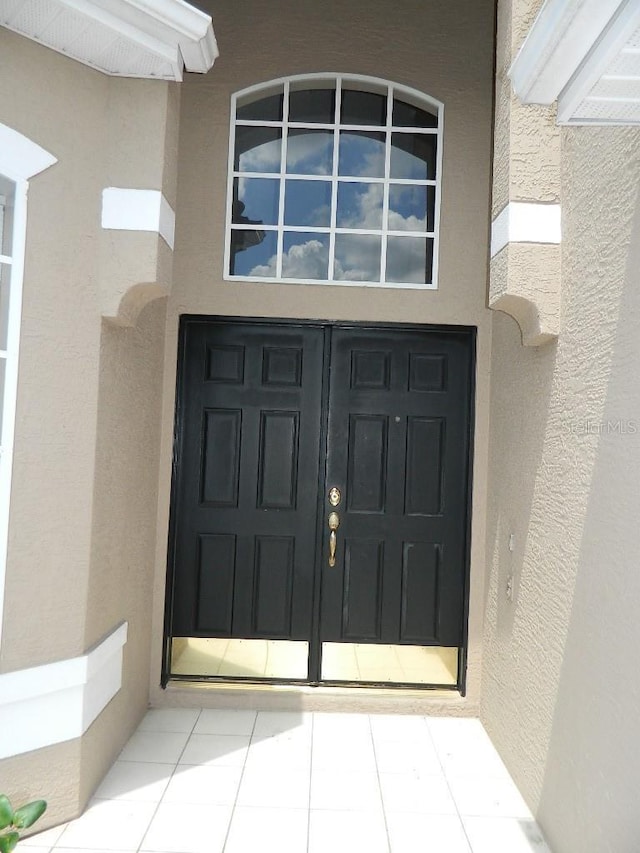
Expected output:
(127, 209)
(526, 222)
(58, 701)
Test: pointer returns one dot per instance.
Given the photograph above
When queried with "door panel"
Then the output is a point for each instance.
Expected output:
(246, 503)
(398, 451)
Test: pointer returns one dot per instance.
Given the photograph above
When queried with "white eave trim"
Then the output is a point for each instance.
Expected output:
(562, 35)
(608, 45)
(172, 32)
(568, 56)
(58, 701)
(187, 27)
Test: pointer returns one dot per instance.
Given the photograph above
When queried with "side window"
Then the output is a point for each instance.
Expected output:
(20, 160)
(7, 199)
(334, 179)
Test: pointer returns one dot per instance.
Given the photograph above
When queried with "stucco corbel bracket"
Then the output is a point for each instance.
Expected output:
(137, 251)
(525, 268)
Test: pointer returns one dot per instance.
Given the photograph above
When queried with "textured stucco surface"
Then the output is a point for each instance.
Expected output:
(418, 45)
(526, 144)
(561, 684)
(84, 495)
(125, 485)
(525, 283)
(51, 773)
(525, 279)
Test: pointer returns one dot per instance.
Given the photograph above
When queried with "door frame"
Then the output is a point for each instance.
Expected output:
(314, 648)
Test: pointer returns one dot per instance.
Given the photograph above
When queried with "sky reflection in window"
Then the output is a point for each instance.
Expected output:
(359, 205)
(357, 257)
(310, 152)
(255, 259)
(258, 149)
(305, 256)
(413, 156)
(307, 203)
(361, 154)
(411, 208)
(409, 259)
(259, 198)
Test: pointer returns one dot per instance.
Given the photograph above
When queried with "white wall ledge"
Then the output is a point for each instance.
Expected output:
(58, 701)
(526, 222)
(126, 209)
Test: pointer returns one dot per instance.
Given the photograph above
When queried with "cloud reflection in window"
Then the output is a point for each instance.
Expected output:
(310, 152)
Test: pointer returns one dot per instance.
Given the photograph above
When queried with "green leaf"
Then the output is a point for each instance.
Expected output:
(27, 815)
(8, 842)
(6, 812)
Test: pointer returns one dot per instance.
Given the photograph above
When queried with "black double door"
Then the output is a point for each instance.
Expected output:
(273, 416)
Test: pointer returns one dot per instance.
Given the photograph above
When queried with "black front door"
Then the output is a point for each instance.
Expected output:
(398, 449)
(271, 416)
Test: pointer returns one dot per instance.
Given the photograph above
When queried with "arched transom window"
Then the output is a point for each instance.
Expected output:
(334, 179)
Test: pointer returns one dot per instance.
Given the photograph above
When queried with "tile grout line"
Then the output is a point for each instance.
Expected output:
(384, 810)
(58, 845)
(244, 766)
(446, 779)
(173, 773)
(313, 723)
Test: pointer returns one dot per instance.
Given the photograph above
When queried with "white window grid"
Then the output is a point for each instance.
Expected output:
(6, 263)
(12, 235)
(340, 81)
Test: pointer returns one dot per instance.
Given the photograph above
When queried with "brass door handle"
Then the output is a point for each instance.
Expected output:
(334, 524)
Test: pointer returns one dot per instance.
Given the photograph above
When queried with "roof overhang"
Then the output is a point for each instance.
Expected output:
(586, 55)
(154, 39)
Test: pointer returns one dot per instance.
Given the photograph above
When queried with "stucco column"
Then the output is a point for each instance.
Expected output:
(525, 244)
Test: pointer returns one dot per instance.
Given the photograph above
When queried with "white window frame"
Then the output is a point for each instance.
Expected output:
(20, 160)
(376, 83)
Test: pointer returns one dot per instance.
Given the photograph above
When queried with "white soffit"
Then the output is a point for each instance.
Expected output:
(586, 55)
(154, 39)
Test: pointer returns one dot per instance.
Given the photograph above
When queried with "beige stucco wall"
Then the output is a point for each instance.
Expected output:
(416, 44)
(561, 687)
(83, 510)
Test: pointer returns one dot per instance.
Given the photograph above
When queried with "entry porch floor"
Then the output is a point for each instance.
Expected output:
(220, 781)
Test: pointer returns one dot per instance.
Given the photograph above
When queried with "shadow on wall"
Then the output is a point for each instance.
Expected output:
(589, 799)
(514, 472)
(521, 405)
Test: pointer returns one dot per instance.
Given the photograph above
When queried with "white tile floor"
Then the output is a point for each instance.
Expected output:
(206, 781)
